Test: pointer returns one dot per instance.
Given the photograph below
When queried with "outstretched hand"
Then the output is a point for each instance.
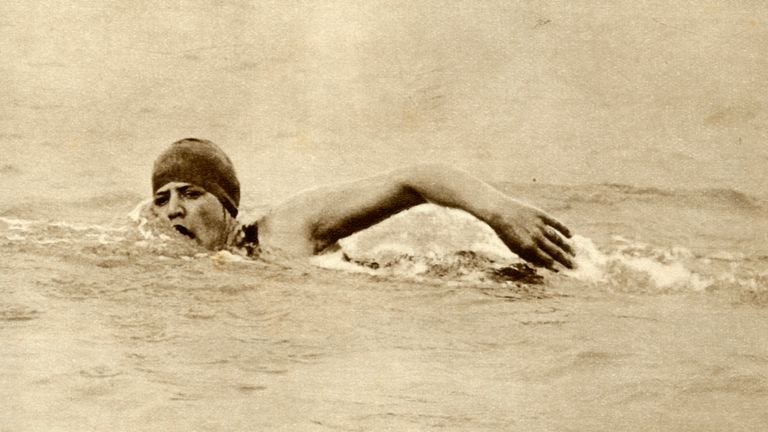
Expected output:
(534, 235)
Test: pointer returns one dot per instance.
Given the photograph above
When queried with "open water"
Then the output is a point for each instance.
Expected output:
(430, 325)
(638, 125)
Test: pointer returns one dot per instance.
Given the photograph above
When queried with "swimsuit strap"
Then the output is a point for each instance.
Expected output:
(248, 238)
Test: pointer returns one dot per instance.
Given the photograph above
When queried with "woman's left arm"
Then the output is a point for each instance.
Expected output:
(330, 213)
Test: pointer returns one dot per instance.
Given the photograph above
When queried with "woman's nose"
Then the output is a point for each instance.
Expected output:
(175, 207)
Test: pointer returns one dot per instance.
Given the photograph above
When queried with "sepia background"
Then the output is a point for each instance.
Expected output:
(640, 124)
(643, 93)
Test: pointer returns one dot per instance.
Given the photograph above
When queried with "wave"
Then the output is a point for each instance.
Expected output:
(411, 245)
(457, 266)
(625, 266)
(9, 169)
(102, 206)
(700, 198)
(632, 266)
(111, 199)
(617, 193)
(432, 243)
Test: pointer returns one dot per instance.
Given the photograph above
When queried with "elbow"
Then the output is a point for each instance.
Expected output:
(420, 172)
(433, 168)
(428, 175)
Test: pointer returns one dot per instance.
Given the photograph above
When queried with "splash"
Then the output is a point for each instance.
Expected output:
(417, 245)
(637, 264)
(461, 266)
(337, 260)
(53, 232)
(624, 269)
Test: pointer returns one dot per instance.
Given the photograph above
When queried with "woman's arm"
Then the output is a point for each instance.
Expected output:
(327, 214)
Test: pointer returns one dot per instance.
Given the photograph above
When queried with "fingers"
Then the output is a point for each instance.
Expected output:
(537, 257)
(546, 249)
(557, 239)
(556, 251)
(549, 220)
(543, 243)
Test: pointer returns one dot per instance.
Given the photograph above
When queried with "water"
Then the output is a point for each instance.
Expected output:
(637, 127)
(428, 322)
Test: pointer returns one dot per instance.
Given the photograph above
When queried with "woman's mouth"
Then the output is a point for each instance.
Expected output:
(184, 231)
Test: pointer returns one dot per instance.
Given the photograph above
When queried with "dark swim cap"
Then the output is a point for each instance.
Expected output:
(201, 163)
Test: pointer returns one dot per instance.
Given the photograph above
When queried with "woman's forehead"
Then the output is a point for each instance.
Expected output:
(174, 186)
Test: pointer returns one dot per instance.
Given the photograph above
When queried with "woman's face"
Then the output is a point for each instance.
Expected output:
(193, 212)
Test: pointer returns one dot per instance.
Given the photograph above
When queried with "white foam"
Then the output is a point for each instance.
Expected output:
(104, 238)
(136, 214)
(663, 268)
(665, 275)
(224, 256)
(52, 241)
(18, 224)
(336, 261)
(86, 227)
(392, 249)
(726, 256)
(590, 262)
(494, 248)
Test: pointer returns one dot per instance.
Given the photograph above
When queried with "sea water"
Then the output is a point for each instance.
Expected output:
(639, 126)
(425, 321)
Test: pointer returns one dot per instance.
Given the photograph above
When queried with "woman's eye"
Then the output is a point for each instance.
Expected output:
(161, 201)
(193, 194)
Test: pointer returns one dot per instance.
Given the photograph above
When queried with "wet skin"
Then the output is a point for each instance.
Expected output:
(193, 212)
(315, 219)
(312, 221)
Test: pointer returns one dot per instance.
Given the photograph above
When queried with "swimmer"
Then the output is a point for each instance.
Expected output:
(197, 191)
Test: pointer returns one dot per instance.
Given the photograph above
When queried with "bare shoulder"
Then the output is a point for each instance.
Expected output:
(287, 229)
(314, 219)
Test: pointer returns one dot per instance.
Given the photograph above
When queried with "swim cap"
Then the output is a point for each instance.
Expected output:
(201, 163)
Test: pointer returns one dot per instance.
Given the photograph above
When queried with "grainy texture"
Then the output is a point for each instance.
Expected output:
(623, 102)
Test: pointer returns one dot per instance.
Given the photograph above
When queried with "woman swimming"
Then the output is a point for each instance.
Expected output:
(197, 191)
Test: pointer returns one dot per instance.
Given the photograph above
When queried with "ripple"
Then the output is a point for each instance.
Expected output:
(17, 312)
(100, 372)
